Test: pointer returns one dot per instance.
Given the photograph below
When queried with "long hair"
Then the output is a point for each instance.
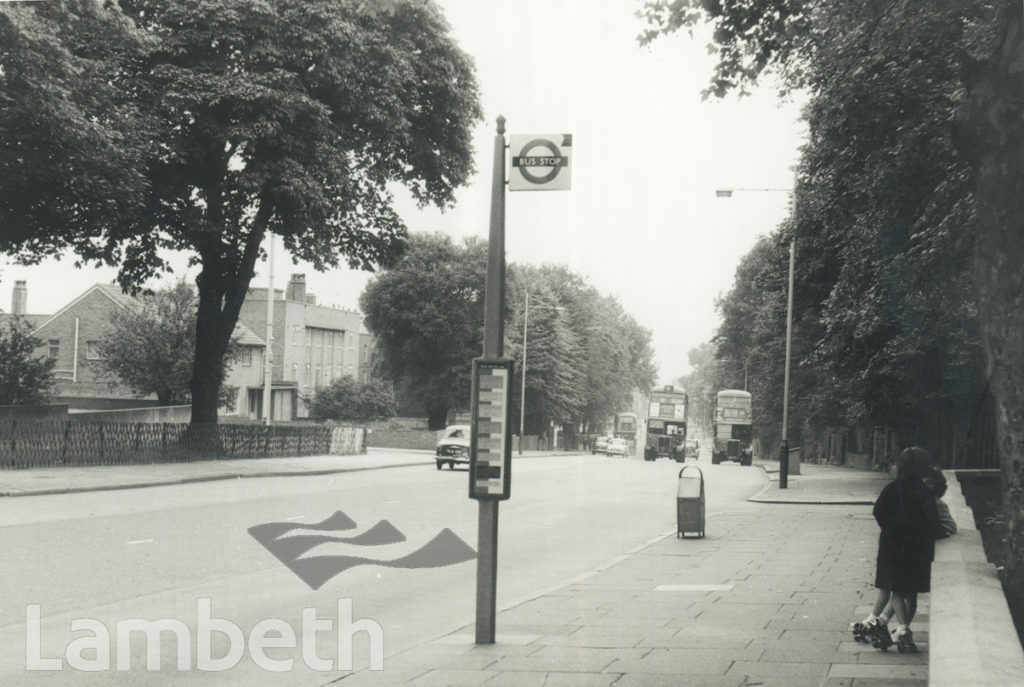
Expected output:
(913, 463)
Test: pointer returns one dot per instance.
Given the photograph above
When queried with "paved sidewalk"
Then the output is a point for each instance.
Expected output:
(63, 480)
(764, 599)
(825, 484)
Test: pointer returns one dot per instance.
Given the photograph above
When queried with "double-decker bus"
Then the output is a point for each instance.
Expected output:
(625, 426)
(666, 424)
(733, 427)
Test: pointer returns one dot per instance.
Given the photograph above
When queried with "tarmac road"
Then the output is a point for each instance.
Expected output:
(155, 553)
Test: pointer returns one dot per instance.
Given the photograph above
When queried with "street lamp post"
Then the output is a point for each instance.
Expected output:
(784, 442)
(522, 399)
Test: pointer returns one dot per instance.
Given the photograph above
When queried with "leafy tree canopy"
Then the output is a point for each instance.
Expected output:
(426, 314)
(584, 354)
(25, 376)
(149, 346)
(909, 203)
(141, 126)
(348, 399)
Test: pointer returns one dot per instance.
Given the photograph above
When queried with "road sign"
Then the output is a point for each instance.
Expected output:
(490, 444)
(540, 162)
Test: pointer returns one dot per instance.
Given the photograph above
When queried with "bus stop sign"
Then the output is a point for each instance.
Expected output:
(490, 443)
(540, 162)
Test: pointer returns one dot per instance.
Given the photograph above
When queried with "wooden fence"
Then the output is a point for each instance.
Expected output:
(30, 443)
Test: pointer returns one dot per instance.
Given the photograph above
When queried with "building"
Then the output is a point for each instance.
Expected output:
(71, 338)
(311, 346)
(367, 354)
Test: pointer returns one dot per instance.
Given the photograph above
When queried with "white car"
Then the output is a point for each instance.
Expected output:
(617, 447)
(453, 447)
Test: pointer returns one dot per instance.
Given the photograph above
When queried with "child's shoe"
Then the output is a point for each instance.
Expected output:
(905, 643)
(882, 638)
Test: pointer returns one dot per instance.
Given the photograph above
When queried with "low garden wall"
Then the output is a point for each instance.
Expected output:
(972, 640)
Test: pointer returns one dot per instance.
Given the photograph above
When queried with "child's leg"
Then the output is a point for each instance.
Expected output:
(886, 615)
(911, 601)
(881, 601)
(905, 604)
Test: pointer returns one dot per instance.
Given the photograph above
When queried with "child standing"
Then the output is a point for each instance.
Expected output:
(909, 520)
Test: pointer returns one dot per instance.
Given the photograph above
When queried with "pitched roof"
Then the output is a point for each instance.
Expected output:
(245, 336)
(112, 292)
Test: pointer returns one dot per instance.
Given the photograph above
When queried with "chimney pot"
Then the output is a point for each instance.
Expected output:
(19, 298)
(297, 288)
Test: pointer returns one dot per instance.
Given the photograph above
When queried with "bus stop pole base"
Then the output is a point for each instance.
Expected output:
(486, 570)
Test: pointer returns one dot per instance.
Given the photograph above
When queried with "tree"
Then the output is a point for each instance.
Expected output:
(914, 180)
(426, 313)
(991, 132)
(585, 355)
(25, 378)
(205, 125)
(348, 399)
(149, 346)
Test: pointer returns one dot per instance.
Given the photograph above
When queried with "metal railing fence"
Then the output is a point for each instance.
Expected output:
(31, 443)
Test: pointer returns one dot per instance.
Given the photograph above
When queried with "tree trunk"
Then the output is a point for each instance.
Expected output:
(223, 285)
(202, 437)
(992, 125)
(437, 417)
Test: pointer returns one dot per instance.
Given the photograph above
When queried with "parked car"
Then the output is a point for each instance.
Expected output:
(600, 444)
(453, 447)
(617, 447)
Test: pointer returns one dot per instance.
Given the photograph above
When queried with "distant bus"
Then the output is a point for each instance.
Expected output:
(625, 426)
(666, 424)
(733, 427)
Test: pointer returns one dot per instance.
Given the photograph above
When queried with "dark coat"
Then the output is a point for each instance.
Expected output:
(907, 514)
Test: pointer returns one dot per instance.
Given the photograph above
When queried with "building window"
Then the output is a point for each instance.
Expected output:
(307, 373)
(92, 350)
(295, 372)
(245, 356)
(296, 335)
(54, 348)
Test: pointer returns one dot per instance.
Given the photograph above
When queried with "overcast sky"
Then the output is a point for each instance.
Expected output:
(641, 222)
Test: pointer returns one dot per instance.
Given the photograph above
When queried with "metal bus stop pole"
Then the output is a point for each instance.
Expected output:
(494, 306)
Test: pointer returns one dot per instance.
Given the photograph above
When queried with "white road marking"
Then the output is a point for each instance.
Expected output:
(142, 541)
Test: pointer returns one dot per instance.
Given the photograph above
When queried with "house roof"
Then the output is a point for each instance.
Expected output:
(112, 292)
(245, 336)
